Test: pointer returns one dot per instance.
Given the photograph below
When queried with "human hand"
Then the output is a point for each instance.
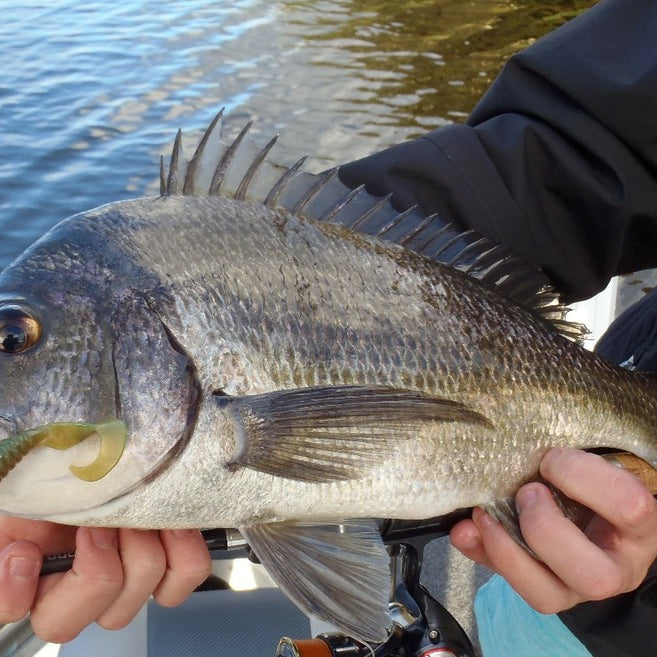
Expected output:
(113, 574)
(611, 556)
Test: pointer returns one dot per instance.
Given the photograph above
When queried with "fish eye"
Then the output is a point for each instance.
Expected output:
(19, 329)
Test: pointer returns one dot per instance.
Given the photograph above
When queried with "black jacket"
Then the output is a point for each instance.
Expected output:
(559, 162)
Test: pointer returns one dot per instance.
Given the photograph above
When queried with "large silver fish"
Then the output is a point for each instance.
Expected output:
(286, 375)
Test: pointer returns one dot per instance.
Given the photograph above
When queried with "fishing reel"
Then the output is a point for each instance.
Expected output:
(443, 637)
(422, 627)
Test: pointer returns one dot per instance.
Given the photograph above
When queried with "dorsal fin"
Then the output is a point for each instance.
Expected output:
(241, 169)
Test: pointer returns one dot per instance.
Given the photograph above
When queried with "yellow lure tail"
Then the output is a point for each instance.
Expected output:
(63, 435)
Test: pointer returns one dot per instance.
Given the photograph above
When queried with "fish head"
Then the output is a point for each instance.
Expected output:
(80, 343)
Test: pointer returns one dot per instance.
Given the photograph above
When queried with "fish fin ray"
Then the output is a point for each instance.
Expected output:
(504, 510)
(192, 174)
(176, 164)
(332, 433)
(271, 200)
(240, 193)
(228, 157)
(338, 573)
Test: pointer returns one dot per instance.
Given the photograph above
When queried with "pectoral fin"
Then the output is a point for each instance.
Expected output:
(332, 433)
(338, 573)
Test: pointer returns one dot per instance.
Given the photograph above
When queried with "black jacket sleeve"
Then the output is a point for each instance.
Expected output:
(558, 160)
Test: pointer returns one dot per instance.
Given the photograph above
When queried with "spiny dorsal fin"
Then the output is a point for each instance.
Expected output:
(241, 170)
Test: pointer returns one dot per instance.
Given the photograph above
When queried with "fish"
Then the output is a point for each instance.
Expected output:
(276, 353)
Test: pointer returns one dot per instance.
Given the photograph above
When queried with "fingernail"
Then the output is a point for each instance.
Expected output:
(481, 518)
(104, 537)
(23, 566)
(471, 542)
(526, 496)
(183, 533)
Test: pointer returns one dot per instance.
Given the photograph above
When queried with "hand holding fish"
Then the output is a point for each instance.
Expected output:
(610, 557)
(114, 573)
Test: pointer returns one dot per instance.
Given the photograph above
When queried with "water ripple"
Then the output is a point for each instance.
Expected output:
(93, 92)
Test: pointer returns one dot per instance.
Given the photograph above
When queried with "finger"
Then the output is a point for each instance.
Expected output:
(613, 493)
(144, 566)
(67, 603)
(188, 565)
(20, 563)
(51, 537)
(560, 544)
(533, 581)
(466, 538)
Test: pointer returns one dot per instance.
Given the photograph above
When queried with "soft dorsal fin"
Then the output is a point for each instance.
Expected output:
(242, 170)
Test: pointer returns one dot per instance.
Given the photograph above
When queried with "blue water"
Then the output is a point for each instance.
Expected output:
(89, 96)
(91, 93)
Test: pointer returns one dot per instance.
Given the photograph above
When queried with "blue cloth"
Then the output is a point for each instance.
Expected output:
(509, 626)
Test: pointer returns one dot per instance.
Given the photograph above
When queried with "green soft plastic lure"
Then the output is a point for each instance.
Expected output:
(62, 435)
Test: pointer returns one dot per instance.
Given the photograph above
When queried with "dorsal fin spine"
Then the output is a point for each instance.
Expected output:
(313, 190)
(471, 248)
(376, 207)
(395, 221)
(441, 248)
(323, 197)
(190, 176)
(240, 194)
(281, 183)
(176, 154)
(343, 202)
(163, 181)
(224, 163)
(418, 229)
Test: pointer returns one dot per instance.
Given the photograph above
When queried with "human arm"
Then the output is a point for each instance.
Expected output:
(113, 574)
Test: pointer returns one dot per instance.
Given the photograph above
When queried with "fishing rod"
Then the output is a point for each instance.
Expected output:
(218, 542)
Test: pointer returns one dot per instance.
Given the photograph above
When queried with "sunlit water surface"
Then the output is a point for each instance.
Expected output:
(91, 93)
